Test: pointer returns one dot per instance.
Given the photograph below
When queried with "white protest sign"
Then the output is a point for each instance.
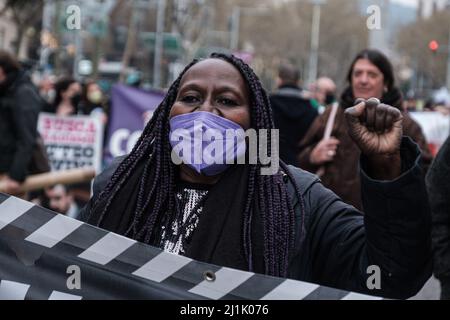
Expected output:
(72, 142)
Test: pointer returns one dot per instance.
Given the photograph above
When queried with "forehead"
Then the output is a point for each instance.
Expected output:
(56, 190)
(325, 84)
(365, 64)
(74, 86)
(93, 86)
(215, 70)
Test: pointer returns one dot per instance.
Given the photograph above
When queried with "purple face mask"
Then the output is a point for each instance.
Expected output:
(206, 142)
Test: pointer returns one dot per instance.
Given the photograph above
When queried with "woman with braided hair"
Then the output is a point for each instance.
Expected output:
(285, 224)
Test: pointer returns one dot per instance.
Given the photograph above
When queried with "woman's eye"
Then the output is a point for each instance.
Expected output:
(190, 99)
(227, 102)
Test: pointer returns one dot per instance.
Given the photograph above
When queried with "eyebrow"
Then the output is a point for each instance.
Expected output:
(221, 88)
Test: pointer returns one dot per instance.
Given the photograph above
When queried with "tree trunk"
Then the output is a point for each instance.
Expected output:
(97, 54)
(130, 45)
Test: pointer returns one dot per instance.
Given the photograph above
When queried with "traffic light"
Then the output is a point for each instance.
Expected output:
(434, 46)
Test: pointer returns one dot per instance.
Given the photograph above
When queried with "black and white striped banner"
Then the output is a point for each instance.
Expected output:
(44, 255)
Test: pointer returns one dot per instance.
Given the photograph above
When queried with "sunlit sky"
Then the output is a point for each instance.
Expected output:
(407, 2)
(414, 2)
(427, 4)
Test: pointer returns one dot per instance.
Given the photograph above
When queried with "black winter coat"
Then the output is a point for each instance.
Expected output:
(293, 115)
(341, 243)
(438, 185)
(20, 105)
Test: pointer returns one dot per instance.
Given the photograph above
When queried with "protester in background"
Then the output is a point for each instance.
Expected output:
(20, 105)
(67, 97)
(134, 79)
(292, 113)
(93, 101)
(284, 224)
(92, 104)
(438, 185)
(428, 105)
(60, 199)
(410, 104)
(68, 102)
(323, 93)
(92, 98)
(370, 75)
(47, 91)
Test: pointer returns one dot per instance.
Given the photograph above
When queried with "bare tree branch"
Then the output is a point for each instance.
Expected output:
(24, 14)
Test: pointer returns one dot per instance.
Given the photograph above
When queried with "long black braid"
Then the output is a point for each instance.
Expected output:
(157, 186)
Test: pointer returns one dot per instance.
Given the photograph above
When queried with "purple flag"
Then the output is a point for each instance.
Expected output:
(131, 109)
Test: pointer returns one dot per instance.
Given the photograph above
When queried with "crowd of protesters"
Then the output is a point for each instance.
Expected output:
(341, 158)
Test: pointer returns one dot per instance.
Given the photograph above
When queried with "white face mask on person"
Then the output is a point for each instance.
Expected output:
(95, 97)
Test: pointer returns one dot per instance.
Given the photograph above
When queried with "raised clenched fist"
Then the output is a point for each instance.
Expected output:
(375, 127)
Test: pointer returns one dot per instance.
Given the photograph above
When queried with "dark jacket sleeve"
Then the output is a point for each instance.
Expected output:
(438, 185)
(412, 129)
(393, 234)
(25, 116)
(99, 184)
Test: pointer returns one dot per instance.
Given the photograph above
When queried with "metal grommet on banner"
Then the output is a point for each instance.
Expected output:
(285, 177)
(209, 276)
